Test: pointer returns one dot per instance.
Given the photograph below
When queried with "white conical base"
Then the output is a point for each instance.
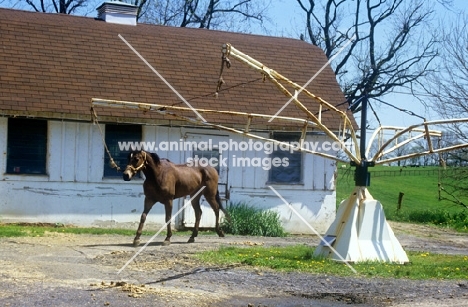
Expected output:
(360, 232)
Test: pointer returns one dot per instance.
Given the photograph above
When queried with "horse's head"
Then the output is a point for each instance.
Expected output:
(135, 162)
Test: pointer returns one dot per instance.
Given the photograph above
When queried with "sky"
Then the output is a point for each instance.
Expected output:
(288, 17)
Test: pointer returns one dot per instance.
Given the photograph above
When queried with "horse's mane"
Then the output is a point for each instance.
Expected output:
(156, 158)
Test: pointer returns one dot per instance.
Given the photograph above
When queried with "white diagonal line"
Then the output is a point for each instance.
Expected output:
(162, 228)
(296, 93)
(312, 228)
(162, 78)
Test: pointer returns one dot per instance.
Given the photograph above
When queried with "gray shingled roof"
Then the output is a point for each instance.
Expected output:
(52, 65)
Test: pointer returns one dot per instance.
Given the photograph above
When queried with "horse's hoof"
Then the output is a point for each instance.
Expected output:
(166, 243)
(221, 234)
(136, 243)
(191, 240)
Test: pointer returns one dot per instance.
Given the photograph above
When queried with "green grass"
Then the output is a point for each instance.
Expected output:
(39, 230)
(300, 258)
(421, 192)
(420, 201)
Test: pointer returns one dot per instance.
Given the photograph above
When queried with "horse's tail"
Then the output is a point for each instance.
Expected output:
(220, 204)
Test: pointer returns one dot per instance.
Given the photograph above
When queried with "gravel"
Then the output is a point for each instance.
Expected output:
(81, 270)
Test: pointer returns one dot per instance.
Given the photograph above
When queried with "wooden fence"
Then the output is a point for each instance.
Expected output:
(416, 172)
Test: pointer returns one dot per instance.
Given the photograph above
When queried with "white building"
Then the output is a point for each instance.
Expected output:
(54, 168)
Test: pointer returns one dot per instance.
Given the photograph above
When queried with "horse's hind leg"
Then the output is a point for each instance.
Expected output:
(215, 203)
(148, 205)
(198, 214)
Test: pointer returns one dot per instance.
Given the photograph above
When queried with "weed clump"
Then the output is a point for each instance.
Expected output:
(251, 221)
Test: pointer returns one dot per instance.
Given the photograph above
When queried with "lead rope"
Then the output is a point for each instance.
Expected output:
(224, 62)
(95, 121)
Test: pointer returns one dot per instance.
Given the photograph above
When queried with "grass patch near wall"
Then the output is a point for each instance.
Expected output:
(252, 221)
(301, 258)
(41, 229)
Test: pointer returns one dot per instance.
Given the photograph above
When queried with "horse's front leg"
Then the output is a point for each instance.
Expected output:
(198, 214)
(148, 205)
(168, 208)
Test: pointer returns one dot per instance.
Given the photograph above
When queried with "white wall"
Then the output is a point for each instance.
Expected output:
(74, 191)
(314, 198)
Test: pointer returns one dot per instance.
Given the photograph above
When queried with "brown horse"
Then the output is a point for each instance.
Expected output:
(166, 181)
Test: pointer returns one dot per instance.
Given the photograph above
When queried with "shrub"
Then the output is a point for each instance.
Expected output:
(248, 220)
(456, 220)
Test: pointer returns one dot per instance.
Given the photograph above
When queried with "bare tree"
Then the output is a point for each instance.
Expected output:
(207, 14)
(448, 86)
(402, 151)
(387, 48)
(56, 6)
(234, 15)
(447, 89)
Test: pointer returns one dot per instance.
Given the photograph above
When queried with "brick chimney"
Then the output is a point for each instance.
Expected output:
(118, 12)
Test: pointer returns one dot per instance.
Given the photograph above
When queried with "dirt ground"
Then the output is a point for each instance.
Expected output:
(81, 270)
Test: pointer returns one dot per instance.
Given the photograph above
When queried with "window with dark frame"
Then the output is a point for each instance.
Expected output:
(26, 146)
(292, 173)
(116, 136)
